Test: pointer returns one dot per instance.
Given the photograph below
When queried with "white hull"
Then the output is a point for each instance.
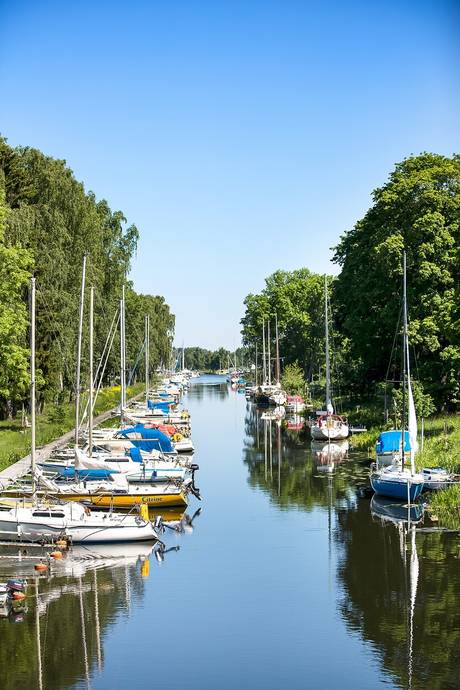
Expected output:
(72, 521)
(184, 446)
(333, 433)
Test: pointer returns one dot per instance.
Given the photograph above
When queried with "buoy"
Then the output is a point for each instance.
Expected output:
(56, 554)
(41, 566)
(18, 596)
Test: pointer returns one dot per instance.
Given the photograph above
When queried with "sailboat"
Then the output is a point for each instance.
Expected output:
(268, 393)
(328, 426)
(399, 480)
(36, 519)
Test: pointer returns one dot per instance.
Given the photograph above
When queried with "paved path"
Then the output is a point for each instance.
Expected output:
(21, 467)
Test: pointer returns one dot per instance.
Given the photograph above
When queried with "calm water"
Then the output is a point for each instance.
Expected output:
(285, 579)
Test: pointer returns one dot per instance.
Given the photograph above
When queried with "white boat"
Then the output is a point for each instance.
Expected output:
(438, 478)
(328, 426)
(35, 522)
(295, 404)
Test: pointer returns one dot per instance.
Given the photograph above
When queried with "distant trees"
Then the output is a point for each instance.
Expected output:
(48, 222)
(201, 359)
(296, 299)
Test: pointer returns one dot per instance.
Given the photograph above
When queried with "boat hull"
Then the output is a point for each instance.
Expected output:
(13, 527)
(399, 489)
(324, 433)
(126, 500)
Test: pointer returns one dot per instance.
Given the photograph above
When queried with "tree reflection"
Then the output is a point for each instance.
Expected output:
(376, 601)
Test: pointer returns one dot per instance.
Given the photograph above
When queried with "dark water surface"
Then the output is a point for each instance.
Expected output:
(286, 579)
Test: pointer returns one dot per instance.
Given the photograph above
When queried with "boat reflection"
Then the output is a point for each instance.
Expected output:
(328, 455)
(397, 513)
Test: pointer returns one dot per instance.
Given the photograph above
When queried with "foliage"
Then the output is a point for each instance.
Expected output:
(292, 379)
(200, 359)
(48, 221)
(445, 505)
(297, 300)
(418, 211)
(15, 264)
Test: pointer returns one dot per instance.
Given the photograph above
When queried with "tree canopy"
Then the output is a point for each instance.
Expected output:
(416, 211)
(48, 221)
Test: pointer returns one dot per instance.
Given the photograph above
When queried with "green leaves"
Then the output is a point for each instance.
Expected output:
(417, 210)
(47, 223)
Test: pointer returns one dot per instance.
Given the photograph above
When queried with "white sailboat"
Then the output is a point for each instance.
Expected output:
(399, 480)
(328, 426)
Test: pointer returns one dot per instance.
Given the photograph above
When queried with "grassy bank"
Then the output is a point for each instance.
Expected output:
(54, 421)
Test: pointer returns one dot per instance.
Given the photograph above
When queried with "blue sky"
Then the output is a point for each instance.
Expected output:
(241, 137)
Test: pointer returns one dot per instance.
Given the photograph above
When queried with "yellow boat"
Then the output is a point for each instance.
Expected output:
(108, 500)
(103, 499)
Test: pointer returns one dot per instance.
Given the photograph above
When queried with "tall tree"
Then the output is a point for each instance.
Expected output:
(417, 210)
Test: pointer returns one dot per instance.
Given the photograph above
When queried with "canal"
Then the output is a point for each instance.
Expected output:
(287, 577)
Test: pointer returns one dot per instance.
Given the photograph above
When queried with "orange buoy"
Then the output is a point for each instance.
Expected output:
(56, 554)
(18, 596)
(40, 566)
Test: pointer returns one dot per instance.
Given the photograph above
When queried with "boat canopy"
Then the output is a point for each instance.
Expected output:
(147, 439)
(164, 406)
(135, 454)
(390, 442)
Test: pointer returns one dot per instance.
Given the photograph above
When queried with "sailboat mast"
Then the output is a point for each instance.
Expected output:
(256, 364)
(183, 356)
(269, 363)
(122, 355)
(147, 356)
(277, 351)
(264, 362)
(32, 381)
(91, 374)
(404, 362)
(328, 365)
(80, 332)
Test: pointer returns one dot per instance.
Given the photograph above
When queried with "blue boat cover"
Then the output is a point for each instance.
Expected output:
(135, 454)
(164, 406)
(390, 442)
(152, 439)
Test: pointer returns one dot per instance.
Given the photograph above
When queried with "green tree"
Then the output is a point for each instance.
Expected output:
(417, 210)
(297, 299)
(15, 265)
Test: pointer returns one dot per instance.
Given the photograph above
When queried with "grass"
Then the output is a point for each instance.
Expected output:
(445, 505)
(54, 421)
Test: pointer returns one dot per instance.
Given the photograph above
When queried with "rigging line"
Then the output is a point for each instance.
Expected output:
(101, 379)
(133, 370)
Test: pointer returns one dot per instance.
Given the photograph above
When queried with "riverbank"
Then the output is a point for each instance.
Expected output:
(53, 422)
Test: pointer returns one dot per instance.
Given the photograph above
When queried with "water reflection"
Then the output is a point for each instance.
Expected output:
(415, 627)
(399, 581)
(282, 463)
(70, 608)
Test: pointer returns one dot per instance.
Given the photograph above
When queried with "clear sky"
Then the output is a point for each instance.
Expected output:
(240, 137)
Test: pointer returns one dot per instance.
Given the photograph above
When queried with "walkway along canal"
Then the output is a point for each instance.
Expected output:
(286, 578)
